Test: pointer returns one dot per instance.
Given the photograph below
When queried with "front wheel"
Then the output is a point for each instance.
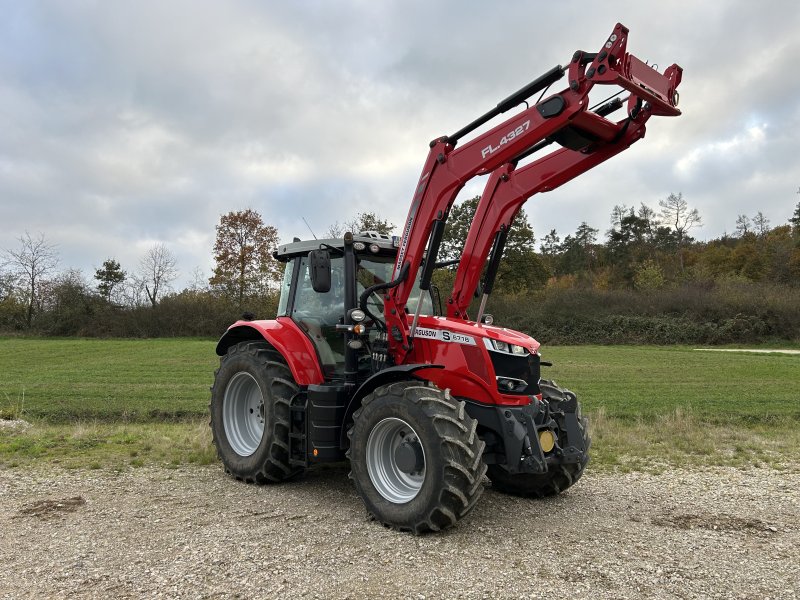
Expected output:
(416, 458)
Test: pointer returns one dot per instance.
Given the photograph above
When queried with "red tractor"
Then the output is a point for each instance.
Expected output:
(362, 364)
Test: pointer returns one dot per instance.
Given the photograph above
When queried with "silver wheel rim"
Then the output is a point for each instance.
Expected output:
(389, 480)
(243, 414)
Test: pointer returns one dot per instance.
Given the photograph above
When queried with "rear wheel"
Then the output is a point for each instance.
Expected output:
(250, 413)
(416, 458)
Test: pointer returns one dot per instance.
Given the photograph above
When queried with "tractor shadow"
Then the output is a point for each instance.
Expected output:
(329, 488)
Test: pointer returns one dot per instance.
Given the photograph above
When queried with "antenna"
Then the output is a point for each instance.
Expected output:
(309, 227)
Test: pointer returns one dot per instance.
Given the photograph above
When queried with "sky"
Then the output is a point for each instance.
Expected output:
(126, 124)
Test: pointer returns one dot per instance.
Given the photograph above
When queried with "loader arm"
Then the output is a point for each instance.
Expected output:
(448, 168)
(509, 187)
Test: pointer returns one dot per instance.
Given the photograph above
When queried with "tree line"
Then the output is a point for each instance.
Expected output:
(647, 253)
(644, 249)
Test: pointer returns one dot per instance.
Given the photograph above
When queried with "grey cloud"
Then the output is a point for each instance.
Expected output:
(129, 123)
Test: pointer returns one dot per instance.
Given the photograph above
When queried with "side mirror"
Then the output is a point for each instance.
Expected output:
(319, 269)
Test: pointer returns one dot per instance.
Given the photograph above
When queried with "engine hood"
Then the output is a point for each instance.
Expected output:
(479, 330)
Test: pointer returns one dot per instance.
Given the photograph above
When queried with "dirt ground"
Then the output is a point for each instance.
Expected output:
(194, 532)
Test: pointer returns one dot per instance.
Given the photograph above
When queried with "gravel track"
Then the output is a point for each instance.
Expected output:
(194, 532)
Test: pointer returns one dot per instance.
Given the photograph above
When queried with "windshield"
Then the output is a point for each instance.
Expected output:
(318, 313)
(375, 270)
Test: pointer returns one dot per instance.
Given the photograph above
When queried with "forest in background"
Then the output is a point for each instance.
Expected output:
(648, 280)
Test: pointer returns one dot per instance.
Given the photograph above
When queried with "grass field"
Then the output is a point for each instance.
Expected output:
(114, 403)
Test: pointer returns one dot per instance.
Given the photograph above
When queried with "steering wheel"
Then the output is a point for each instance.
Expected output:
(375, 307)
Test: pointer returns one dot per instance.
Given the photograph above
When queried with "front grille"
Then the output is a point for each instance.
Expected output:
(525, 368)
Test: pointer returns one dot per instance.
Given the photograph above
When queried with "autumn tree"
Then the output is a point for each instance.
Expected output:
(108, 277)
(243, 255)
(158, 268)
(31, 263)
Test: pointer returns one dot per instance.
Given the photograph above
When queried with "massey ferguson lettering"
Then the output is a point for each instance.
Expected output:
(506, 139)
(443, 335)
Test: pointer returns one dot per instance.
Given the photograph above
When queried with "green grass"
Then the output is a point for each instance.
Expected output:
(122, 403)
(632, 383)
(673, 406)
(105, 445)
(63, 380)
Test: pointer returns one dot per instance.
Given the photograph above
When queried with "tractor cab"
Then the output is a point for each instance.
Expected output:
(322, 282)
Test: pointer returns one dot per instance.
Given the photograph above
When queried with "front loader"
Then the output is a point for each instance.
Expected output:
(363, 364)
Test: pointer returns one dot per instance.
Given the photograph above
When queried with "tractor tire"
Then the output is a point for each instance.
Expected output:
(552, 483)
(416, 457)
(250, 413)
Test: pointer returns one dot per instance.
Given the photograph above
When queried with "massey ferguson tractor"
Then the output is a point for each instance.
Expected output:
(363, 364)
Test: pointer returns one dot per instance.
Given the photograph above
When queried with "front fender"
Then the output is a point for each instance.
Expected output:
(285, 336)
(390, 375)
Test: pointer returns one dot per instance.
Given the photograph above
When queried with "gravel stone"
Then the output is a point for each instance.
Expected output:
(18, 425)
(196, 533)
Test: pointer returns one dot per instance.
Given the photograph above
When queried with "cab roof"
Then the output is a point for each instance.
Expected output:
(299, 247)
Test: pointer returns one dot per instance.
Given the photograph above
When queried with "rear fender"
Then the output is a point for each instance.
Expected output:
(390, 375)
(285, 336)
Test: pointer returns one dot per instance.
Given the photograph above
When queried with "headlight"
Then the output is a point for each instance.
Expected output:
(505, 347)
(357, 315)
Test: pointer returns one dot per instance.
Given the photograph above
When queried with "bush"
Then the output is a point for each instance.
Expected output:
(698, 313)
(75, 311)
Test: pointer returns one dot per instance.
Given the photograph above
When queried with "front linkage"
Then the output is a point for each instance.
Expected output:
(535, 437)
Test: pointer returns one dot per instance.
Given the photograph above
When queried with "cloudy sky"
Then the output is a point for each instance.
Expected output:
(124, 124)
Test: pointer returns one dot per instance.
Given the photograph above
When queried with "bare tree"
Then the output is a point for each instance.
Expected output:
(335, 231)
(649, 219)
(363, 221)
(675, 213)
(619, 212)
(742, 225)
(31, 263)
(157, 270)
(199, 281)
(761, 224)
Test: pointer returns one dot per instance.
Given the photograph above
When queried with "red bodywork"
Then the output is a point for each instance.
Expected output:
(448, 168)
(468, 369)
(288, 339)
